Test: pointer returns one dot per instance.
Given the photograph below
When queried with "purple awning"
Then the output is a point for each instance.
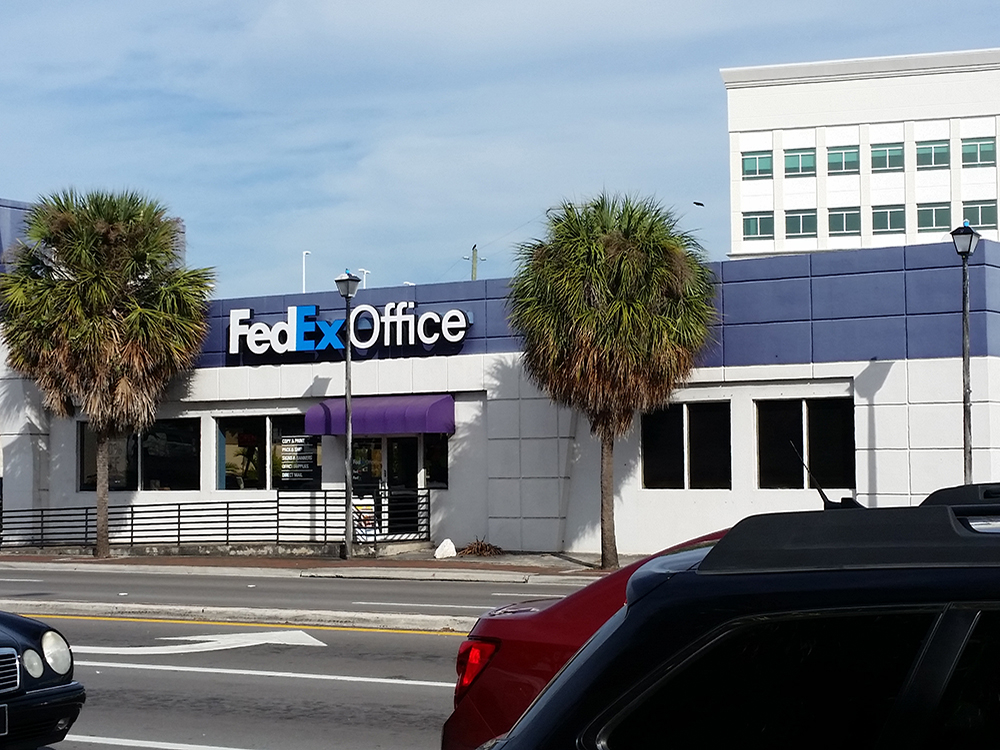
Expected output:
(384, 415)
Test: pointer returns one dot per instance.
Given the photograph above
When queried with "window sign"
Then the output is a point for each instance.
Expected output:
(302, 331)
(298, 457)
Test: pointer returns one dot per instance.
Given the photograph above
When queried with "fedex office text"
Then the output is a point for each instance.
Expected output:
(302, 331)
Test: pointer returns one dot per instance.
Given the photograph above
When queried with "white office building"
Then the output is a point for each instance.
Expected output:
(862, 153)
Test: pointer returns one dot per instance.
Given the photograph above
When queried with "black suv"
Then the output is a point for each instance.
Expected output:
(837, 628)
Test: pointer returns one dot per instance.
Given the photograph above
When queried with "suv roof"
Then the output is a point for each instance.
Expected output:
(926, 536)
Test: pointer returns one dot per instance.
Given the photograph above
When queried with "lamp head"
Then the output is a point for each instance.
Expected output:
(347, 284)
(965, 238)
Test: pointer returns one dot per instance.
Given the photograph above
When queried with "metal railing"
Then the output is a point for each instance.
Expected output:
(291, 517)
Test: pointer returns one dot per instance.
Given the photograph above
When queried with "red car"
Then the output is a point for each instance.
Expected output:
(513, 652)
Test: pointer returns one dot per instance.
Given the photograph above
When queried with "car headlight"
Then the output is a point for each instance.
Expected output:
(33, 662)
(57, 652)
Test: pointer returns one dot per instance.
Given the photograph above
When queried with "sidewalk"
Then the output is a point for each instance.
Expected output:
(543, 568)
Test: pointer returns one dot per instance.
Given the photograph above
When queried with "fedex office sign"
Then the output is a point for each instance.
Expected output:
(302, 331)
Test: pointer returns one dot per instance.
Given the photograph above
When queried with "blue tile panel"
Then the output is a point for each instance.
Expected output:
(845, 305)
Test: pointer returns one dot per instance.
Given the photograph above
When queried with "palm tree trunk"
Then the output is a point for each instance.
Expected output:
(609, 547)
(102, 547)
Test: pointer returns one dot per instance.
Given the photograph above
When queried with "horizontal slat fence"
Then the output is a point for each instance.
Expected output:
(291, 517)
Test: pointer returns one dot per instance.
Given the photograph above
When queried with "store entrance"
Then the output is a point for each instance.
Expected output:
(385, 480)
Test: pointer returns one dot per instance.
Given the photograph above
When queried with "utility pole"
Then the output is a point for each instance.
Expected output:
(475, 261)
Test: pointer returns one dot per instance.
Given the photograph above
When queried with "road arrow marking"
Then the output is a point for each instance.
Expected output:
(221, 642)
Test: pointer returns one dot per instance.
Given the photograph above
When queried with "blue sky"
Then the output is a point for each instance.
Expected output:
(393, 134)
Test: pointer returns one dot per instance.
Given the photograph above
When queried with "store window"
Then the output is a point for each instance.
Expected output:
(167, 456)
(171, 451)
(887, 157)
(888, 219)
(687, 446)
(757, 165)
(800, 224)
(979, 152)
(436, 461)
(819, 432)
(933, 217)
(933, 155)
(123, 461)
(296, 458)
(758, 226)
(843, 160)
(800, 162)
(242, 453)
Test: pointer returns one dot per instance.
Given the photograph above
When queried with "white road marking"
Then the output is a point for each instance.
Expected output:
(221, 642)
(22, 580)
(259, 673)
(143, 743)
(477, 607)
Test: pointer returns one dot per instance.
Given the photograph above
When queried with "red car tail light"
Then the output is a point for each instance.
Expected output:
(473, 656)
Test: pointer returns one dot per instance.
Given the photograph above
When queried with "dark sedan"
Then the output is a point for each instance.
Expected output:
(39, 699)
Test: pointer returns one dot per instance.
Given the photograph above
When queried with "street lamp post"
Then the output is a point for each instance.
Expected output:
(966, 238)
(364, 277)
(347, 285)
(304, 254)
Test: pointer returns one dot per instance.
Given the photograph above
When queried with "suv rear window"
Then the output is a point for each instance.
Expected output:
(777, 682)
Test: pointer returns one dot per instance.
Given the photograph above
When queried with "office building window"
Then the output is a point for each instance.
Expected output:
(818, 431)
(843, 160)
(758, 226)
(888, 219)
(979, 152)
(687, 446)
(933, 217)
(845, 221)
(800, 162)
(980, 214)
(757, 165)
(887, 157)
(800, 224)
(932, 155)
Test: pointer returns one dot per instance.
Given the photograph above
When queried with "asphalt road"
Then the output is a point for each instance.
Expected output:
(287, 591)
(198, 686)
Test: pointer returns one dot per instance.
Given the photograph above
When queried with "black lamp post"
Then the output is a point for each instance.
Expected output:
(966, 238)
(347, 285)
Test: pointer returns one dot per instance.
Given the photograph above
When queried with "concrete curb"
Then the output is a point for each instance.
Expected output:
(321, 618)
(490, 575)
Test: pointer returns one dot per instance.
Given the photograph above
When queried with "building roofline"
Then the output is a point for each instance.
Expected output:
(862, 68)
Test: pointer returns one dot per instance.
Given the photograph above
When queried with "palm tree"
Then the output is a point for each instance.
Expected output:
(99, 310)
(612, 307)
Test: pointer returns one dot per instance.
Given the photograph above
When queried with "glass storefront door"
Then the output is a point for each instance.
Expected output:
(385, 480)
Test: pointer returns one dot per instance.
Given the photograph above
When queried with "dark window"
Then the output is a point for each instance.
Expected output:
(782, 447)
(969, 713)
(171, 455)
(831, 441)
(436, 461)
(242, 442)
(782, 684)
(779, 443)
(709, 443)
(663, 448)
(707, 455)
(123, 461)
(296, 458)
